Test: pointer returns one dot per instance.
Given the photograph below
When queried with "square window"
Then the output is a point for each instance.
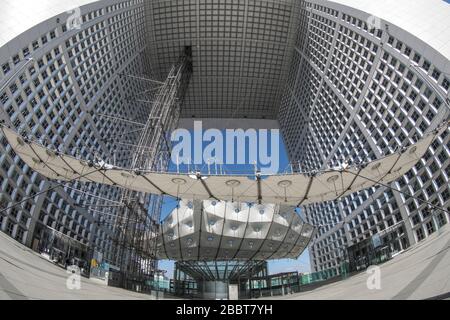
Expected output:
(436, 74)
(4, 98)
(446, 84)
(407, 51)
(6, 68)
(426, 65)
(430, 227)
(16, 59)
(420, 235)
(26, 52)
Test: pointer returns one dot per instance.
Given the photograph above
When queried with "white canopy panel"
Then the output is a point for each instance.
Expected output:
(291, 189)
(213, 230)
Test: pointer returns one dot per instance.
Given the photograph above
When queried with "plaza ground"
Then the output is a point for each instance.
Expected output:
(421, 272)
(24, 274)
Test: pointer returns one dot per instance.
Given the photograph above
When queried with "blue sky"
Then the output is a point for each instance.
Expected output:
(302, 264)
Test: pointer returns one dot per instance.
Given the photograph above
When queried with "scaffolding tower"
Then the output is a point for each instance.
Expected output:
(137, 223)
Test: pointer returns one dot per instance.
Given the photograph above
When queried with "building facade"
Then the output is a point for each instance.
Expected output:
(361, 86)
(61, 97)
(348, 80)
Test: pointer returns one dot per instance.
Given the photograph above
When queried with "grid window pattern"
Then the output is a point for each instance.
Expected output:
(351, 63)
(320, 39)
(329, 118)
(56, 99)
(366, 101)
(239, 53)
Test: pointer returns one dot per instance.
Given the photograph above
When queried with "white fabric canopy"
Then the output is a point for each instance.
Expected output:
(292, 189)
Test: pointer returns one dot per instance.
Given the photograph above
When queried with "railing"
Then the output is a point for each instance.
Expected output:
(324, 275)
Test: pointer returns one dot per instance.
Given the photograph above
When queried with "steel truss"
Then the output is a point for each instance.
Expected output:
(136, 225)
